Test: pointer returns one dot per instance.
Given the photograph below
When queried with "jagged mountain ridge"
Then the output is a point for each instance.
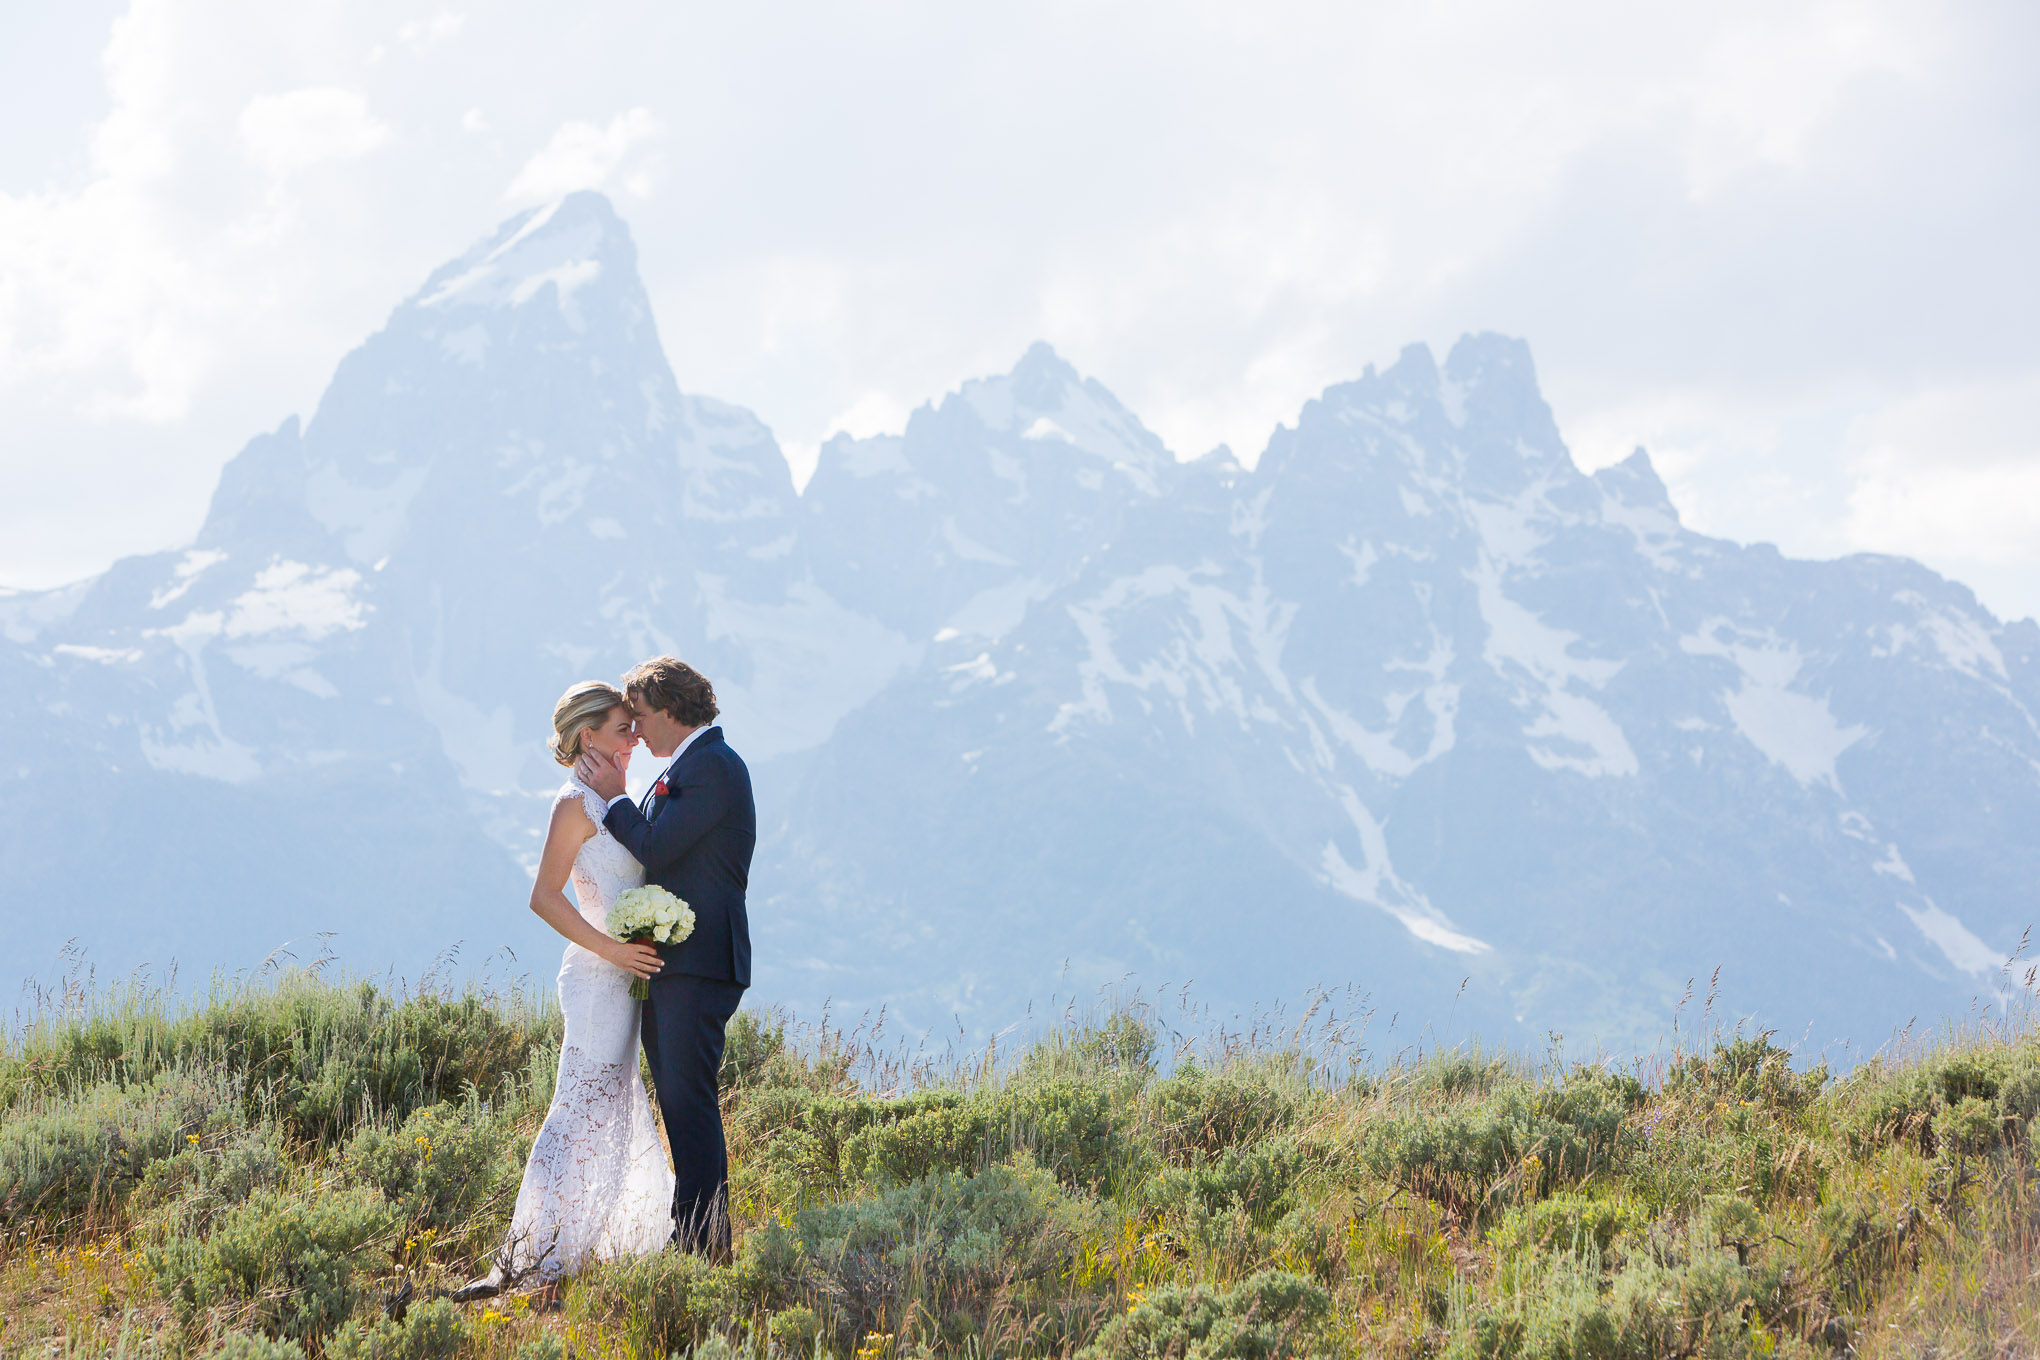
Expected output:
(1032, 704)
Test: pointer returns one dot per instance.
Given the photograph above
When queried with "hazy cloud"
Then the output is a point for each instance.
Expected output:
(1785, 247)
(287, 132)
(421, 34)
(582, 156)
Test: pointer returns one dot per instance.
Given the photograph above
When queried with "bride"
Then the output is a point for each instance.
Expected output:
(598, 1184)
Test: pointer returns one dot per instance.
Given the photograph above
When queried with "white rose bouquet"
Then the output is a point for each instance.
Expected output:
(649, 913)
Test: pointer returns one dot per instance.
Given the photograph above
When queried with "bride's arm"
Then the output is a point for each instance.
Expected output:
(570, 830)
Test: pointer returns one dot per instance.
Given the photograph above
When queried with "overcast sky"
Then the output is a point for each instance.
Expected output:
(1788, 248)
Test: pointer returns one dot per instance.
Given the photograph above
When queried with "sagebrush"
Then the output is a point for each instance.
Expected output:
(302, 1167)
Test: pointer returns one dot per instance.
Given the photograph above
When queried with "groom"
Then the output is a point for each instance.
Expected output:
(694, 834)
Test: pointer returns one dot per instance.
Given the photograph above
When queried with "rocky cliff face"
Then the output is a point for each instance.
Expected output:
(1033, 705)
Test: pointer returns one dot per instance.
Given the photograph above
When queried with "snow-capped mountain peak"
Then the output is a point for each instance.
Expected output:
(1046, 403)
(1030, 705)
(556, 250)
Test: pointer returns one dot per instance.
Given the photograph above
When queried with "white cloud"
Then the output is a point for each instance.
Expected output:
(90, 282)
(1951, 473)
(1754, 238)
(440, 27)
(287, 132)
(1991, 513)
(581, 156)
(873, 413)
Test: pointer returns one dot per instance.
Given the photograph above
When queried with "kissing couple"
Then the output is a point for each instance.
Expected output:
(598, 1185)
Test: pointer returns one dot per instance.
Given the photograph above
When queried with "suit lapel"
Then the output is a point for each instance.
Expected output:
(653, 803)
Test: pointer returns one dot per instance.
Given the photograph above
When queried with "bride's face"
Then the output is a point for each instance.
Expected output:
(612, 737)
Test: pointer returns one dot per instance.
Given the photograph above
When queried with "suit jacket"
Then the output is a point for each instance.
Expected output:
(696, 844)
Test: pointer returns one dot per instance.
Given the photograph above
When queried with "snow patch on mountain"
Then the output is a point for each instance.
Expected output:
(512, 271)
(188, 569)
(1382, 748)
(1795, 730)
(996, 610)
(297, 597)
(1569, 730)
(1220, 646)
(105, 656)
(480, 742)
(1957, 943)
(366, 519)
(1376, 884)
(190, 740)
(24, 615)
(1045, 400)
(1960, 639)
(811, 662)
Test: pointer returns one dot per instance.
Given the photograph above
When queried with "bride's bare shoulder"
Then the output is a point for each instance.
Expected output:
(571, 814)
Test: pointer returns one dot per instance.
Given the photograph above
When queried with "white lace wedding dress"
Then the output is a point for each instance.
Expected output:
(599, 1183)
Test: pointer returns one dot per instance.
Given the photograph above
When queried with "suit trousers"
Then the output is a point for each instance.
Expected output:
(683, 1027)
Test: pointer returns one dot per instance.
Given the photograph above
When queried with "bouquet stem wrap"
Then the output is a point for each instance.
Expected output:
(649, 914)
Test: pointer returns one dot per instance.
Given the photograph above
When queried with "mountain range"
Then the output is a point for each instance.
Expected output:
(1413, 709)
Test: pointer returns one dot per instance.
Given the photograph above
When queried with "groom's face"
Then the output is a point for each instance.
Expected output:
(659, 732)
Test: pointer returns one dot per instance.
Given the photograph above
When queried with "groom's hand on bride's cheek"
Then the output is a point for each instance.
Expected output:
(601, 774)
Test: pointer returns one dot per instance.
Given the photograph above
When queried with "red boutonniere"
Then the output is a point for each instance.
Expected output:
(659, 789)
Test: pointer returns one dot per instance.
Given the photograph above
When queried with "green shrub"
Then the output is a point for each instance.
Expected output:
(1454, 1157)
(2018, 1095)
(787, 1144)
(1561, 1309)
(440, 1167)
(948, 1242)
(1693, 1150)
(290, 1262)
(66, 1155)
(245, 1346)
(63, 1056)
(313, 1055)
(1969, 1127)
(1601, 1087)
(1275, 1313)
(1461, 1073)
(1125, 1042)
(543, 1346)
(923, 1136)
(323, 1066)
(1121, 1048)
(753, 1044)
(796, 1328)
(184, 1193)
(429, 1331)
(1752, 1069)
(662, 1303)
(1858, 1246)
(1538, 1139)
(1257, 1179)
(1879, 1106)
(1566, 1222)
(1202, 1111)
(1876, 1107)
(1071, 1127)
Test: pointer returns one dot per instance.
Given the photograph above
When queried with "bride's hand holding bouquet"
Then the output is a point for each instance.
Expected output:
(649, 915)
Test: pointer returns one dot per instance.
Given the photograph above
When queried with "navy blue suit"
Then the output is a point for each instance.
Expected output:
(696, 843)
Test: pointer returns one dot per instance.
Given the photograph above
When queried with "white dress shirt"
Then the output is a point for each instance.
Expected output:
(623, 797)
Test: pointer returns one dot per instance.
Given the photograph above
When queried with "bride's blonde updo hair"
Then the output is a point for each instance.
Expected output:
(580, 708)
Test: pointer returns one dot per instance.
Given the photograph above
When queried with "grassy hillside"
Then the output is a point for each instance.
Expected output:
(291, 1167)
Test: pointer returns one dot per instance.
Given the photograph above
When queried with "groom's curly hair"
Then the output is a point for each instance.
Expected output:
(675, 688)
